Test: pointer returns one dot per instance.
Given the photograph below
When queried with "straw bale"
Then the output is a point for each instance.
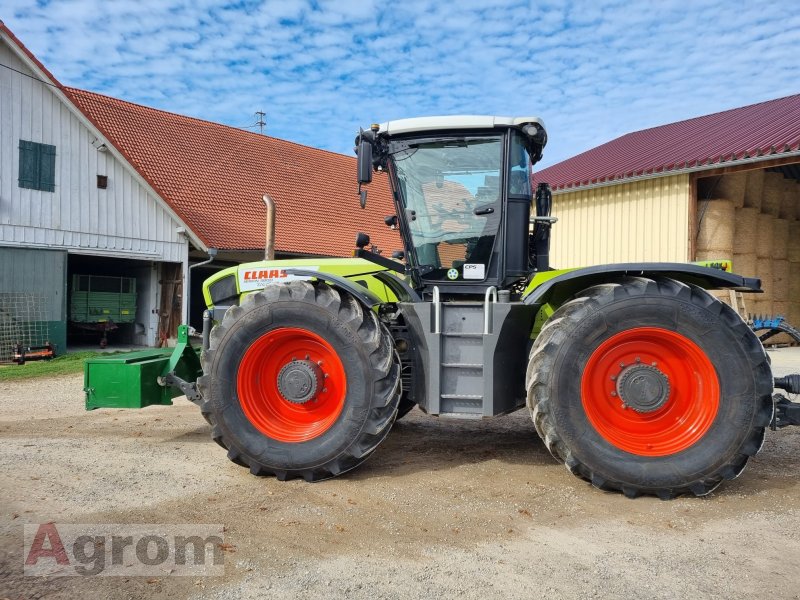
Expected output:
(794, 283)
(765, 238)
(760, 307)
(780, 234)
(794, 314)
(745, 264)
(746, 229)
(716, 226)
(780, 280)
(787, 209)
(754, 188)
(732, 187)
(764, 272)
(793, 245)
(773, 194)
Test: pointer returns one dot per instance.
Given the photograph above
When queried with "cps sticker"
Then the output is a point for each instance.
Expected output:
(452, 274)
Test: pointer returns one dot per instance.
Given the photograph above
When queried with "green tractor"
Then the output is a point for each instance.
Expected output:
(636, 378)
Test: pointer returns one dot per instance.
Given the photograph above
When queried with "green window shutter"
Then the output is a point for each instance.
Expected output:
(28, 165)
(47, 168)
(37, 166)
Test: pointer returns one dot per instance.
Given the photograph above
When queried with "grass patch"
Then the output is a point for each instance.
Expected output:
(66, 364)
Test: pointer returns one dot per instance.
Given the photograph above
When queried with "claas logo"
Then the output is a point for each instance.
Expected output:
(264, 274)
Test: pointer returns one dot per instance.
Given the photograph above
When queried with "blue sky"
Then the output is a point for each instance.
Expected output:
(592, 70)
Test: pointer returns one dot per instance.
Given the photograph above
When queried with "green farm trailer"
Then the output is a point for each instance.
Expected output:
(102, 303)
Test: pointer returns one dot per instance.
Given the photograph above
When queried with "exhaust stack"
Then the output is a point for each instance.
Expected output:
(269, 246)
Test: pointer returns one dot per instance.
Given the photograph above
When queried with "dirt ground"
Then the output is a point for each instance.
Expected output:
(442, 509)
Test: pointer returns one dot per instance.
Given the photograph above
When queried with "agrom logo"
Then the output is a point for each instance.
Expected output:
(129, 550)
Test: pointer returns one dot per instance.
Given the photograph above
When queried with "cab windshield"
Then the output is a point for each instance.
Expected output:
(450, 190)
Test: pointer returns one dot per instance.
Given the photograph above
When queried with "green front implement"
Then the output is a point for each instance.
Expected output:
(139, 379)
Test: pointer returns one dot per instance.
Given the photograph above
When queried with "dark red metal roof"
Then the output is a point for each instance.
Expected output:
(766, 129)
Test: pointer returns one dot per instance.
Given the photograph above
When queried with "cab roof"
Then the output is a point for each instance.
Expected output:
(419, 124)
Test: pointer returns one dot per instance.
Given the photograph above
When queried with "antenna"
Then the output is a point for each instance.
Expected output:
(260, 114)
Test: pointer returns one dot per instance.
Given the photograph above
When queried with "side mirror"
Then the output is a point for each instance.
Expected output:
(364, 162)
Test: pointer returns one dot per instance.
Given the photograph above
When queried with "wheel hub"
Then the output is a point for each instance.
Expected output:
(644, 388)
(299, 381)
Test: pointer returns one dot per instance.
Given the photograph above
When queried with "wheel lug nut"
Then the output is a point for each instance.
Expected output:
(621, 365)
(324, 389)
(638, 360)
(613, 378)
(614, 393)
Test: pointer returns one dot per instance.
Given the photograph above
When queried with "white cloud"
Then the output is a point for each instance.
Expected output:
(592, 70)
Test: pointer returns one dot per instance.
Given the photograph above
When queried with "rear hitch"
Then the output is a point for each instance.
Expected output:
(786, 412)
(187, 387)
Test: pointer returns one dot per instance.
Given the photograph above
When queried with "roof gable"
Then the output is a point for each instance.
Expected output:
(768, 129)
(41, 73)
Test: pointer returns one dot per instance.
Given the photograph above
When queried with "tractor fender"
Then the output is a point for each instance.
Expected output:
(558, 289)
(365, 296)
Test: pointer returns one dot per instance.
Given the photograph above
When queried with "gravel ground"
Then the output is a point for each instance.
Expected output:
(442, 509)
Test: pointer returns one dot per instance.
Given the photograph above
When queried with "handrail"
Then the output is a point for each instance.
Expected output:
(491, 292)
(437, 310)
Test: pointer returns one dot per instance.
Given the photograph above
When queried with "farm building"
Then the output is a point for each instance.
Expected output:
(721, 186)
(99, 196)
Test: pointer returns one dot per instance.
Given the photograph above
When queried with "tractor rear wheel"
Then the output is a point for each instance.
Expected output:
(674, 391)
(300, 381)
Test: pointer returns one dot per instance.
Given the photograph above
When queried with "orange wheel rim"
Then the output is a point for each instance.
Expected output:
(650, 391)
(291, 385)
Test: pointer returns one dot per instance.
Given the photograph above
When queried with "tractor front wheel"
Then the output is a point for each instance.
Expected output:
(300, 381)
(674, 391)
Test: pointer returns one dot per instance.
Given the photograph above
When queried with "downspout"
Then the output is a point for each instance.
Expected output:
(269, 246)
(212, 253)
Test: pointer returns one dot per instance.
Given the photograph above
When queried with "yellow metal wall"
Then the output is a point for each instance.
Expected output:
(645, 220)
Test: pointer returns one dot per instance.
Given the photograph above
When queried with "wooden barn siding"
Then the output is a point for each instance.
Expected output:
(123, 220)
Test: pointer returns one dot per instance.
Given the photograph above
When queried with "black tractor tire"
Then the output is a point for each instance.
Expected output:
(370, 381)
(583, 419)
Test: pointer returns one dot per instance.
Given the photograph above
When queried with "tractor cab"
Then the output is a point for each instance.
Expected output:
(463, 192)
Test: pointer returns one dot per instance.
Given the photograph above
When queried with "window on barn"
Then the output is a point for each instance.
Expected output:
(37, 166)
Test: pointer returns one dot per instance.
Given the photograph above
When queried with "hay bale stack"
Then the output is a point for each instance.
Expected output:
(781, 309)
(794, 283)
(716, 227)
(794, 315)
(780, 234)
(764, 272)
(793, 245)
(731, 187)
(746, 229)
(745, 264)
(772, 197)
(754, 188)
(765, 238)
(759, 307)
(789, 201)
(780, 280)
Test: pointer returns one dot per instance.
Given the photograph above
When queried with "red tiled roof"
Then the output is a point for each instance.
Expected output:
(767, 129)
(213, 176)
